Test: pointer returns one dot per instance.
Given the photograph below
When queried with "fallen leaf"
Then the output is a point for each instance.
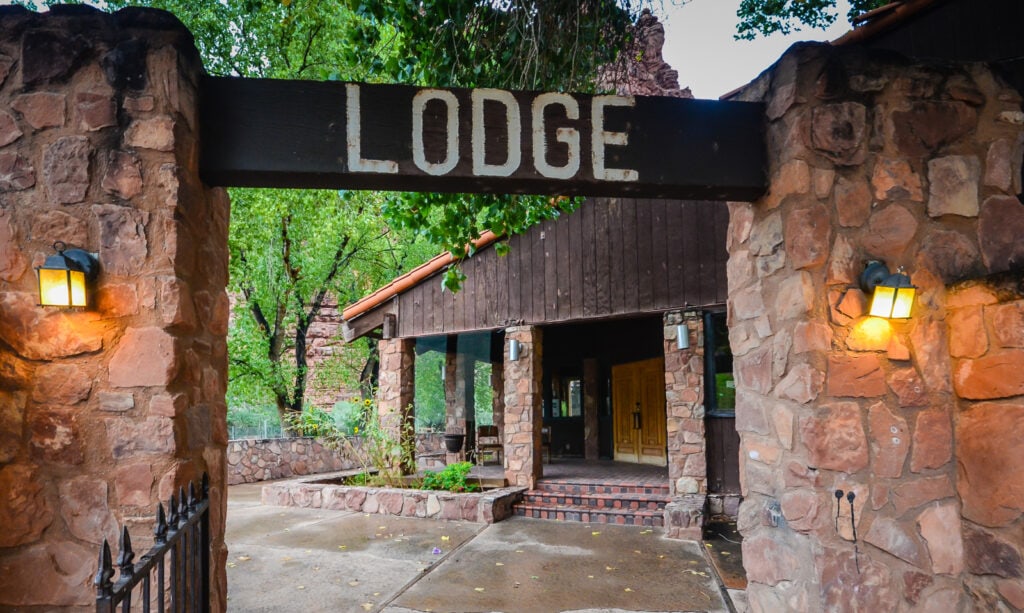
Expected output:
(595, 533)
(286, 559)
(661, 556)
(610, 568)
(519, 551)
(590, 576)
(382, 527)
(726, 553)
(367, 606)
(353, 583)
(478, 589)
(627, 590)
(376, 593)
(243, 558)
(342, 546)
(300, 587)
(309, 551)
(499, 563)
(535, 577)
(637, 551)
(232, 565)
(444, 538)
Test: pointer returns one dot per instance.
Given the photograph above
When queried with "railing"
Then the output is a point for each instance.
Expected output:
(183, 582)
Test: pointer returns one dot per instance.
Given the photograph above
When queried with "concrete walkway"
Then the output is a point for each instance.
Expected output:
(289, 559)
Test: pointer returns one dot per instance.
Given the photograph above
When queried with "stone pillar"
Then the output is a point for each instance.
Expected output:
(455, 398)
(684, 412)
(523, 404)
(396, 393)
(591, 408)
(871, 157)
(107, 410)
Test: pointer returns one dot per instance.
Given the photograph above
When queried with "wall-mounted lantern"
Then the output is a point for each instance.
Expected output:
(682, 336)
(65, 277)
(893, 295)
(514, 347)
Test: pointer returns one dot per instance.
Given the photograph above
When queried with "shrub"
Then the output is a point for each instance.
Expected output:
(452, 478)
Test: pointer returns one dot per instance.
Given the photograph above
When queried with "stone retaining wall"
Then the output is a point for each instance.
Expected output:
(252, 460)
(483, 507)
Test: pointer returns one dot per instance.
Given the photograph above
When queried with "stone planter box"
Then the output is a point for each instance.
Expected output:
(485, 507)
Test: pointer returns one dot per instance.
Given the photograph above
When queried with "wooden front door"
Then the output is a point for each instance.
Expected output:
(638, 408)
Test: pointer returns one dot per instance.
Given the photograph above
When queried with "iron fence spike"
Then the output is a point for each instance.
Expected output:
(172, 507)
(191, 497)
(105, 571)
(126, 555)
(160, 531)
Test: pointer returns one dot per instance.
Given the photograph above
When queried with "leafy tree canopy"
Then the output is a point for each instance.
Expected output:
(765, 17)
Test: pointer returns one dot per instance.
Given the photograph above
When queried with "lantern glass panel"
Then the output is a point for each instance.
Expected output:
(882, 302)
(903, 302)
(53, 287)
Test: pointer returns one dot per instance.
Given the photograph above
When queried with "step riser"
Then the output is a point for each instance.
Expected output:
(594, 503)
(593, 517)
(573, 488)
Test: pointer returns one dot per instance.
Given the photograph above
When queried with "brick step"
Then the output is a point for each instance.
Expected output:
(647, 502)
(624, 517)
(575, 488)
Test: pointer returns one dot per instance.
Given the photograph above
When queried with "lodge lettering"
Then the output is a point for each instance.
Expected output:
(569, 137)
(275, 133)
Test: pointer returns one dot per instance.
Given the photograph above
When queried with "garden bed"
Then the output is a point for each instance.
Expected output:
(326, 492)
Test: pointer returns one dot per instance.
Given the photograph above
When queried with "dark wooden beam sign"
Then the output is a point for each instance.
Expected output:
(276, 133)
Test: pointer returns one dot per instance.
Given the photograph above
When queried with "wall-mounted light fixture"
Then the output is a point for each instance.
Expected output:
(65, 276)
(514, 347)
(893, 295)
(682, 336)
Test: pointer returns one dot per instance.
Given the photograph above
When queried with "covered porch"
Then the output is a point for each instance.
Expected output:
(581, 344)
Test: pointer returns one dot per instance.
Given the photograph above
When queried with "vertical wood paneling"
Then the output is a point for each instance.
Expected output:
(675, 241)
(550, 271)
(659, 253)
(691, 257)
(707, 264)
(575, 296)
(615, 257)
(602, 247)
(537, 278)
(589, 239)
(721, 232)
(645, 237)
(513, 265)
(609, 257)
(630, 265)
(563, 267)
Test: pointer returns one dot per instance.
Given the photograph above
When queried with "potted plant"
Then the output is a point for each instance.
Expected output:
(453, 441)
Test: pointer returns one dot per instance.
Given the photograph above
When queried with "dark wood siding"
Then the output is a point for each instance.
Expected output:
(612, 257)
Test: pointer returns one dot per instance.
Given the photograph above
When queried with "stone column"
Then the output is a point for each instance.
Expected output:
(455, 398)
(684, 412)
(591, 408)
(872, 157)
(523, 405)
(107, 410)
(396, 393)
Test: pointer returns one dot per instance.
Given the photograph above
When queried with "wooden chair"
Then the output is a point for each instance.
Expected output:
(488, 442)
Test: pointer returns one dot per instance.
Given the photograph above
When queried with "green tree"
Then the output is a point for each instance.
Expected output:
(766, 17)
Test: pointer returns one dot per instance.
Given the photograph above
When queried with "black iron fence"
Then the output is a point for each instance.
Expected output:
(172, 576)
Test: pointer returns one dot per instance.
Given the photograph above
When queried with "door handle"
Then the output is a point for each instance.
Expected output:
(637, 418)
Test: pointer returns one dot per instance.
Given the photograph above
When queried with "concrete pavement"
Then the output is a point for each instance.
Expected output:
(290, 559)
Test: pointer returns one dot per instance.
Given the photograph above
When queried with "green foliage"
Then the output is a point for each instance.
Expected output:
(380, 451)
(765, 17)
(429, 391)
(451, 478)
